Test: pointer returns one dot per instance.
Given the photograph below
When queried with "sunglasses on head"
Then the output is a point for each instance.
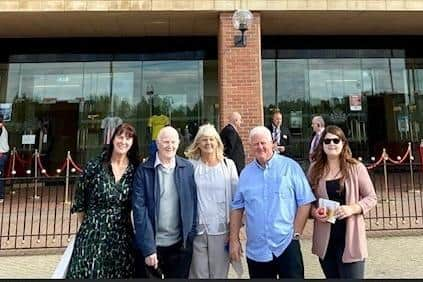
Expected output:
(328, 140)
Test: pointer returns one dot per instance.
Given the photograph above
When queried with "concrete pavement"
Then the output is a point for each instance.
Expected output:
(389, 257)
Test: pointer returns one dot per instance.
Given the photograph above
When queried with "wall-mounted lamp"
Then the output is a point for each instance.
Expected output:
(241, 19)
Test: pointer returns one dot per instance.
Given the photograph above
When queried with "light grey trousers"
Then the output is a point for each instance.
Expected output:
(210, 259)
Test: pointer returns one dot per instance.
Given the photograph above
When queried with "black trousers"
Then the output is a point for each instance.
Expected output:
(175, 260)
(333, 267)
(288, 265)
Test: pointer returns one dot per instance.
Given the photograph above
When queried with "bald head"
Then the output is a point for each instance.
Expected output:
(235, 119)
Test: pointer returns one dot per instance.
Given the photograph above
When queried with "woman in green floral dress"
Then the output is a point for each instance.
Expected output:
(104, 243)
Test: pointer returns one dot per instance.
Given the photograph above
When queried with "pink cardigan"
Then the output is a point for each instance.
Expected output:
(358, 189)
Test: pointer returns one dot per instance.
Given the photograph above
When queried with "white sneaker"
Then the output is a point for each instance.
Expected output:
(1, 201)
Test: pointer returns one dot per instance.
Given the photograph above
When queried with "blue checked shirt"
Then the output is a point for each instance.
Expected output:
(270, 197)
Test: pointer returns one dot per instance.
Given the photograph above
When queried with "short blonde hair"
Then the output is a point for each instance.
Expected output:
(194, 152)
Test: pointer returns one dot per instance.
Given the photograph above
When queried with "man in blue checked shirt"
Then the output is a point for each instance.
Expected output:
(275, 195)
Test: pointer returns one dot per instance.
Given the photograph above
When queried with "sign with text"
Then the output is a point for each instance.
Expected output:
(355, 103)
(28, 139)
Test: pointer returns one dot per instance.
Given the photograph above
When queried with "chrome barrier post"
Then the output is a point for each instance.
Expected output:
(67, 179)
(36, 158)
(411, 171)
(385, 174)
(13, 169)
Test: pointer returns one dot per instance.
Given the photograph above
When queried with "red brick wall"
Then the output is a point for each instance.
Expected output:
(240, 79)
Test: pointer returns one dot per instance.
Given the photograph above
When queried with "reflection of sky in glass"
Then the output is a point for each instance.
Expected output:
(268, 82)
(67, 81)
(174, 78)
(292, 79)
(332, 80)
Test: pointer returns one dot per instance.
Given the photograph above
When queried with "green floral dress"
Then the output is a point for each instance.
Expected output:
(104, 243)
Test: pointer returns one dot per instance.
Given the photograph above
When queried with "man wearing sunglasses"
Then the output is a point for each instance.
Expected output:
(318, 125)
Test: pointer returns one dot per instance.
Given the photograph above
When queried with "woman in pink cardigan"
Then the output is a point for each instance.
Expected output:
(337, 176)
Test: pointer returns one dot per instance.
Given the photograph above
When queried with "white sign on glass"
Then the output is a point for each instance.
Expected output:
(28, 139)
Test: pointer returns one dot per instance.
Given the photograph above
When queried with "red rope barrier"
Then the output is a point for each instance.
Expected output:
(42, 169)
(9, 166)
(372, 166)
(407, 153)
(402, 159)
(75, 166)
(23, 162)
(62, 167)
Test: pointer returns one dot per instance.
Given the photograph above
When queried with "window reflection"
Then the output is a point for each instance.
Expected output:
(75, 99)
(373, 99)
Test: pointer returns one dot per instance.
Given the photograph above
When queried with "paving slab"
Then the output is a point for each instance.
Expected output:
(389, 257)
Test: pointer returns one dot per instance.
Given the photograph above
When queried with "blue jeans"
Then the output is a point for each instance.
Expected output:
(3, 161)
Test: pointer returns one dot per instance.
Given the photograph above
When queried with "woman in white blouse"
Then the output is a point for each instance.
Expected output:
(216, 178)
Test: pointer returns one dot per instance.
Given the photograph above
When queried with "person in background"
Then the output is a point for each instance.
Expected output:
(318, 125)
(336, 175)
(281, 135)
(216, 178)
(275, 195)
(164, 206)
(4, 155)
(104, 242)
(233, 148)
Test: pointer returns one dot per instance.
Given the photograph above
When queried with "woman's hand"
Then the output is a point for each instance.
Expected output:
(320, 214)
(344, 212)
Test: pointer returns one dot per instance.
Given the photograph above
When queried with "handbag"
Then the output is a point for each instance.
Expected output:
(63, 265)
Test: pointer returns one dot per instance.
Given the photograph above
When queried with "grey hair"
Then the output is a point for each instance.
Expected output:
(319, 120)
(262, 130)
(168, 130)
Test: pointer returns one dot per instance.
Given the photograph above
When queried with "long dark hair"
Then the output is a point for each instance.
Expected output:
(133, 153)
(319, 168)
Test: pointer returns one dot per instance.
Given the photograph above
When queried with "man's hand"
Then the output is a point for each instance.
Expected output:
(235, 250)
(152, 260)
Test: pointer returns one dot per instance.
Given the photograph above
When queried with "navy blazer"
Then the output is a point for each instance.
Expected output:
(146, 203)
(286, 142)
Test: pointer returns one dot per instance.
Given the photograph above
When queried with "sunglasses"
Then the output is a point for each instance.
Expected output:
(334, 140)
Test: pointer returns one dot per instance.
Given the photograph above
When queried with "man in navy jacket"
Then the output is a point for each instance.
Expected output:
(164, 205)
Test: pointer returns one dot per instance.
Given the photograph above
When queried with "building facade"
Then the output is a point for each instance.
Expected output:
(69, 69)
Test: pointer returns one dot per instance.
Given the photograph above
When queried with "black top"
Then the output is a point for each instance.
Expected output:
(233, 147)
(337, 232)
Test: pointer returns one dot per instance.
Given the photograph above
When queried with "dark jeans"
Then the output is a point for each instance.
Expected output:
(175, 260)
(288, 265)
(3, 162)
(333, 267)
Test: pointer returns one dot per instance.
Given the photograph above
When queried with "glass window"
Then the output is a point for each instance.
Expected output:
(370, 98)
(68, 105)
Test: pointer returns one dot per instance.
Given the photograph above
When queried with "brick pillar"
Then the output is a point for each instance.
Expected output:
(240, 78)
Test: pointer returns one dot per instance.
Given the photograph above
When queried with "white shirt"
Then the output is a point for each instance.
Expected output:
(212, 199)
(158, 162)
(4, 143)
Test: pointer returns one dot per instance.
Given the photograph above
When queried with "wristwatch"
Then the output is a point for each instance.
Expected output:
(297, 236)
